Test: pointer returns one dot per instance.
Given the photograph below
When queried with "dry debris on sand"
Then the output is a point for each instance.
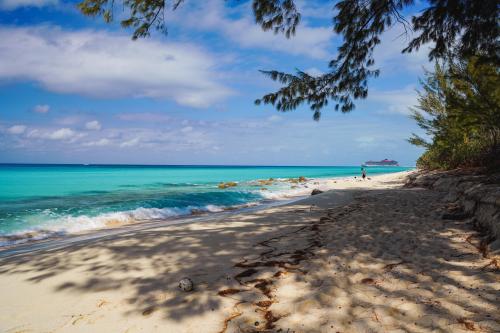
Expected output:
(385, 263)
(372, 257)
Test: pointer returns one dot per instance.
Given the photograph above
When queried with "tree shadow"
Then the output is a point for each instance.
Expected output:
(390, 263)
(386, 259)
(146, 265)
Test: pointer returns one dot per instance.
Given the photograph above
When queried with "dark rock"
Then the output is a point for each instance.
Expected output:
(455, 216)
(316, 191)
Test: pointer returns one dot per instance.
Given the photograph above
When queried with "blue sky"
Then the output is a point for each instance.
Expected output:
(76, 90)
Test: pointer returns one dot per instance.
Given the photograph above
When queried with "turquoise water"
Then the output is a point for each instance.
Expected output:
(69, 198)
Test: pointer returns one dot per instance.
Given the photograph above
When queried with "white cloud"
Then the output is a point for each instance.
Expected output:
(312, 9)
(98, 143)
(313, 42)
(109, 65)
(93, 125)
(61, 134)
(16, 129)
(173, 138)
(313, 71)
(145, 117)
(130, 143)
(186, 129)
(396, 101)
(41, 108)
(340, 137)
(388, 56)
(69, 120)
(274, 118)
(14, 4)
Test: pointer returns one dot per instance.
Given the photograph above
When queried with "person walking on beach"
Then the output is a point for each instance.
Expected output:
(363, 173)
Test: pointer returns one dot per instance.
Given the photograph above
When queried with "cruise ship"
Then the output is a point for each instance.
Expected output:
(384, 162)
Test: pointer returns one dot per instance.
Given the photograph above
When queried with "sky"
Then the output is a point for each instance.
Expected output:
(76, 90)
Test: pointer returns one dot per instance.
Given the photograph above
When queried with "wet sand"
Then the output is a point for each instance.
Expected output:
(367, 257)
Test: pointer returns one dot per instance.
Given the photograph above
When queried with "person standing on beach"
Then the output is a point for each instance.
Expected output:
(363, 173)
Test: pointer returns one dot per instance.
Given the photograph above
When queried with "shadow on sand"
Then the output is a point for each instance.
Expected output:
(384, 244)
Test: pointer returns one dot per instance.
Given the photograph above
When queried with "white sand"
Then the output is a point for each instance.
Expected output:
(381, 261)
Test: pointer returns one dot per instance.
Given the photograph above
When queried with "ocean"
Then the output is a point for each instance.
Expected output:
(39, 200)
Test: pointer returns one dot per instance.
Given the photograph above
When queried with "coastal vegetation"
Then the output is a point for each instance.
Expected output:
(461, 27)
(459, 109)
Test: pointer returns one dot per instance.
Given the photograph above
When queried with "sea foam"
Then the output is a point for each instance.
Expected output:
(74, 224)
(71, 224)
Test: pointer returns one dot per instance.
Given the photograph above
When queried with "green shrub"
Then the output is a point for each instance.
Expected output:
(459, 109)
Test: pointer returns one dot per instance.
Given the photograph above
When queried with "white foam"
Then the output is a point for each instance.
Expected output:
(74, 224)
(284, 194)
(285, 191)
(214, 208)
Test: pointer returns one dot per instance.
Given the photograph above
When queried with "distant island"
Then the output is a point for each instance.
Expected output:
(384, 162)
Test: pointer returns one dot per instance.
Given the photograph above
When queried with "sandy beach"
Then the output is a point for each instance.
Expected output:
(367, 256)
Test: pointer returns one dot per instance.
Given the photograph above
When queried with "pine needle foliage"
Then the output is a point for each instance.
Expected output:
(462, 27)
(459, 110)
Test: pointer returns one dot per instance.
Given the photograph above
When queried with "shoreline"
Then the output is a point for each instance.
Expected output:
(371, 256)
(43, 239)
(92, 235)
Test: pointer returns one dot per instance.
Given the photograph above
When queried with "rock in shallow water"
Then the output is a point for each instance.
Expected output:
(316, 191)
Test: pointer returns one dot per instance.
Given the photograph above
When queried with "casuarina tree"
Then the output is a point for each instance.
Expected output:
(461, 28)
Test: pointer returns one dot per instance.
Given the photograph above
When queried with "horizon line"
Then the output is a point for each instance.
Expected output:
(190, 165)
